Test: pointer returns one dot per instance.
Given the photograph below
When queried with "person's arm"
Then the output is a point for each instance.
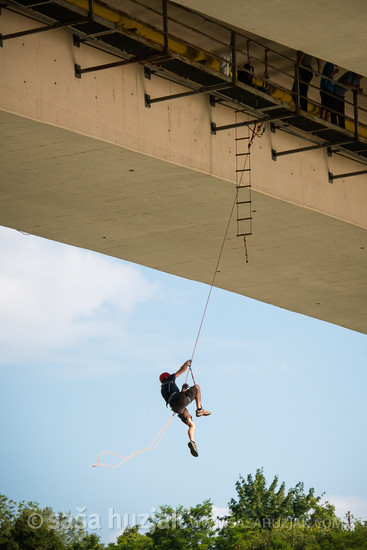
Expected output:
(348, 82)
(354, 88)
(183, 369)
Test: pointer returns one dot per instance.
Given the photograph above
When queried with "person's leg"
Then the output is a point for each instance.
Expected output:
(191, 431)
(198, 396)
(342, 113)
(305, 77)
(303, 90)
(195, 393)
(323, 110)
(295, 90)
(333, 109)
(199, 409)
(339, 103)
(329, 106)
(187, 419)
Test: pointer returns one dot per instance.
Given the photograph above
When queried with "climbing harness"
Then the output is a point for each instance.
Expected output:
(171, 397)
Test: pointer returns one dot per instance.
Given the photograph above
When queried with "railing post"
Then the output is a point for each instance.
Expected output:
(234, 58)
(90, 10)
(165, 26)
(296, 80)
(355, 106)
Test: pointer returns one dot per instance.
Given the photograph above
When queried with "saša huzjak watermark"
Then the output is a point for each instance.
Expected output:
(112, 520)
(149, 522)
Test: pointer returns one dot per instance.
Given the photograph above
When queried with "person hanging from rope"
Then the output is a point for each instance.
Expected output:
(178, 401)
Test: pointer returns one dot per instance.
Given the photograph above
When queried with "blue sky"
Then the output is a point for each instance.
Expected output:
(84, 338)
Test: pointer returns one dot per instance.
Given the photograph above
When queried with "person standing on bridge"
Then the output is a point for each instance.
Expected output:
(305, 74)
(178, 401)
(328, 103)
(351, 81)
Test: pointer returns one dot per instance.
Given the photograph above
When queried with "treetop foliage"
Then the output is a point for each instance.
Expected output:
(261, 517)
(265, 504)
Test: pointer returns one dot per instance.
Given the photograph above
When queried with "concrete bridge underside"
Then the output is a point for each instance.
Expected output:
(84, 162)
(332, 30)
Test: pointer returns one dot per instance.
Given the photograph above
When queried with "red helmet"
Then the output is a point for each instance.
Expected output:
(163, 376)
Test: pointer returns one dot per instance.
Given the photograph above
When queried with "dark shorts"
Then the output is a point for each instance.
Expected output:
(180, 403)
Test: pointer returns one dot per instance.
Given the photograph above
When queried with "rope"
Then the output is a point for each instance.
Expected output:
(258, 127)
(162, 430)
(151, 447)
(155, 442)
(211, 288)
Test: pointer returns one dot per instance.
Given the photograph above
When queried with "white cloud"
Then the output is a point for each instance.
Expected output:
(52, 295)
(219, 513)
(356, 505)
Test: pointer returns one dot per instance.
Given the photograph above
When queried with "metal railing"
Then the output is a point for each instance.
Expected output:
(269, 69)
(241, 59)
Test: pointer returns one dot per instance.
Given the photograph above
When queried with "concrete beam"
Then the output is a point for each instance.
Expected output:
(84, 162)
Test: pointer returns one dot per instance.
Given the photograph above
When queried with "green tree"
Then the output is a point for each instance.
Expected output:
(88, 542)
(262, 506)
(7, 516)
(183, 529)
(131, 539)
(71, 530)
(265, 517)
(31, 529)
(341, 538)
(25, 526)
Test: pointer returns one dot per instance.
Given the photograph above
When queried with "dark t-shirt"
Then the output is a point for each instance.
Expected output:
(346, 78)
(169, 387)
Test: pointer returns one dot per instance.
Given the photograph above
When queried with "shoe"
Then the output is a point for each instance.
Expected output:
(193, 448)
(201, 412)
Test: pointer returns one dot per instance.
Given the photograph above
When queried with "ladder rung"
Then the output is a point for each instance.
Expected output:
(244, 202)
(239, 139)
(244, 219)
(243, 234)
(242, 186)
(244, 170)
(241, 154)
